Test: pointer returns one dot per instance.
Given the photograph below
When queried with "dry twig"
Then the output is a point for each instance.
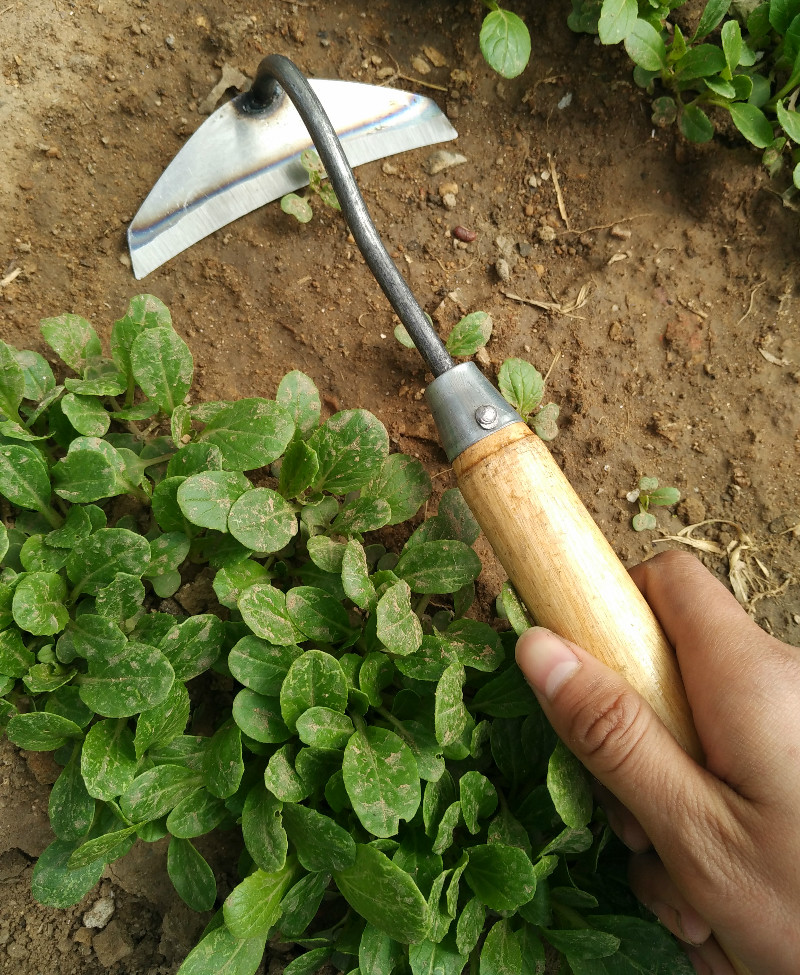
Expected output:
(557, 186)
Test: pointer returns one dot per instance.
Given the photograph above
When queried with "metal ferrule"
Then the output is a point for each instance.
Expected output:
(467, 408)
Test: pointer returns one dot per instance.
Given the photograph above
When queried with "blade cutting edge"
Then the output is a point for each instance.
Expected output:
(236, 162)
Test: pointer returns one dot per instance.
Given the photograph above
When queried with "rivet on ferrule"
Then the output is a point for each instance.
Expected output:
(486, 417)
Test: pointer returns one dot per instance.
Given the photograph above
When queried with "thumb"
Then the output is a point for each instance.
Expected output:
(610, 729)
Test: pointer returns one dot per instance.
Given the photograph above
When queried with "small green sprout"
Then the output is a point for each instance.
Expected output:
(523, 386)
(299, 207)
(649, 493)
(471, 333)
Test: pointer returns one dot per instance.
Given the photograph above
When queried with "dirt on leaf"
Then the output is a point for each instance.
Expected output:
(653, 280)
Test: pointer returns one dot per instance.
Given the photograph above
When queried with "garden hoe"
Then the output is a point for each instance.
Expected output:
(555, 555)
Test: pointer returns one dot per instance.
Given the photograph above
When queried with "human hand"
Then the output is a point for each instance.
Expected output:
(725, 839)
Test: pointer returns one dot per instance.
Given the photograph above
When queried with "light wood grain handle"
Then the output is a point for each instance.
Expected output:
(568, 575)
(566, 572)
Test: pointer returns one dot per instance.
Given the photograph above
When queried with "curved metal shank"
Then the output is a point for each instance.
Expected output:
(394, 286)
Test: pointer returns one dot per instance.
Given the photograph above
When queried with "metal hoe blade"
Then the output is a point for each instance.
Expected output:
(246, 155)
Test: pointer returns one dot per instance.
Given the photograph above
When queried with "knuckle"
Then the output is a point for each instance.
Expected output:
(607, 730)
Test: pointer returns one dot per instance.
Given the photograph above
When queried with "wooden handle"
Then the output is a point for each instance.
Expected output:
(568, 575)
(566, 572)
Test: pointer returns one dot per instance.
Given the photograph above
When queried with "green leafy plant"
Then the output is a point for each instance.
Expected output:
(520, 383)
(403, 806)
(649, 493)
(469, 334)
(523, 386)
(742, 59)
(504, 40)
(299, 207)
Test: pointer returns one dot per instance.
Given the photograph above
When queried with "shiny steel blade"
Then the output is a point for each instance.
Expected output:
(237, 161)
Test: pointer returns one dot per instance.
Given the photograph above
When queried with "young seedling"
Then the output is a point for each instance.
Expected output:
(649, 493)
(299, 207)
(471, 333)
(523, 386)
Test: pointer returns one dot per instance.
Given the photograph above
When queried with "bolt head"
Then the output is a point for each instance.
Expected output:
(486, 417)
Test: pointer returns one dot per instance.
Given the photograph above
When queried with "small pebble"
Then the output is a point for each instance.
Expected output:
(449, 200)
(442, 159)
(503, 270)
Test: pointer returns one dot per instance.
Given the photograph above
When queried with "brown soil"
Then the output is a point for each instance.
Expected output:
(683, 259)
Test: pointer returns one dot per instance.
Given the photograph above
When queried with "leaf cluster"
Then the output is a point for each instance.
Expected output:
(403, 805)
(649, 493)
(742, 59)
(299, 207)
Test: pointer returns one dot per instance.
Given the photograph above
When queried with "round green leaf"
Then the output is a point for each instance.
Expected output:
(790, 121)
(384, 895)
(438, 567)
(108, 759)
(195, 815)
(351, 447)
(471, 333)
(262, 829)
(297, 207)
(54, 884)
(320, 844)
(261, 666)
(24, 480)
(40, 731)
(298, 394)
(314, 680)
(645, 46)
(262, 520)
(398, 627)
(72, 338)
(194, 646)
(38, 604)
(318, 615)
(86, 414)
(501, 953)
(501, 876)
(12, 381)
(91, 471)
(696, 125)
(206, 499)
(617, 18)
(138, 678)
(157, 791)
(324, 728)
(522, 385)
(505, 42)
(70, 808)
(163, 723)
(404, 483)
(569, 787)
(15, 658)
(95, 561)
(162, 365)
(250, 433)
(191, 876)
(450, 714)
(382, 780)
(259, 717)
(299, 469)
(222, 953)
(254, 906)
(752, 123)
(263, 608)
